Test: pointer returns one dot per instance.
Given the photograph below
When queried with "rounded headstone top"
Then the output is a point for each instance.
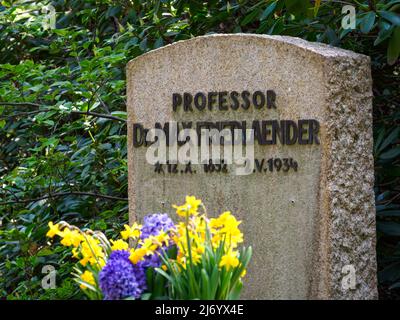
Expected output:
(291, 43)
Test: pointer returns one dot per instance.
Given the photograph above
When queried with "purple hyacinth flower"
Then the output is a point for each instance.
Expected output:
(120, 278)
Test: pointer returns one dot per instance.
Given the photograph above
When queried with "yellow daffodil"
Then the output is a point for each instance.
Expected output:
(137, 255)
(200, 249)
(75, 253)
(225, 227)
(181, 210)
(92, 252)
(149, 245)
(225, 220)
(229, 260)
(215, 223)
(119, 245)
(189, 208)
(196, 258)
(182, 262)
(216, 239)
(161, 239)
(71, 238)
(235, 237)
(193, 205)
(131, 232)
(229, 222)
(88, 277)
(53, 230)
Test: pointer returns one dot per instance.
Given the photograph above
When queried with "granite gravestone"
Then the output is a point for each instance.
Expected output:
(308, 205)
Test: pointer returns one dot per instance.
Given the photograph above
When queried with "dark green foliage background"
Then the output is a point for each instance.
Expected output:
(62, 111)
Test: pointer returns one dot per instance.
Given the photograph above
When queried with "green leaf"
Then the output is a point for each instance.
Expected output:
(378, 140)
(391, 171)
(393, 50)
(297, 7)
(385, 30)
(2, 123)
(159, 43)
(390, 273)
(113, 11)
(388, 213)
(143, 44)
(163, 273)
(205, 285)
(45, 252)
(36, 88)
(390, 3)
(390, 16)
(146, 296)
(250, 17)
(390, 139)
(367, 22)
(389, 227)
(268, 11)
(120, 114)
(344, 33)
(236, 290)
(87, 285)
(392, 153)
(214, 281)
(159, 285)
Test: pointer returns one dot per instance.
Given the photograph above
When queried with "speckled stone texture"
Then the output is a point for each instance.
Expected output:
(304, 226)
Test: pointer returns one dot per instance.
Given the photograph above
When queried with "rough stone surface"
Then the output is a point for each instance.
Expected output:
(304, 226)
